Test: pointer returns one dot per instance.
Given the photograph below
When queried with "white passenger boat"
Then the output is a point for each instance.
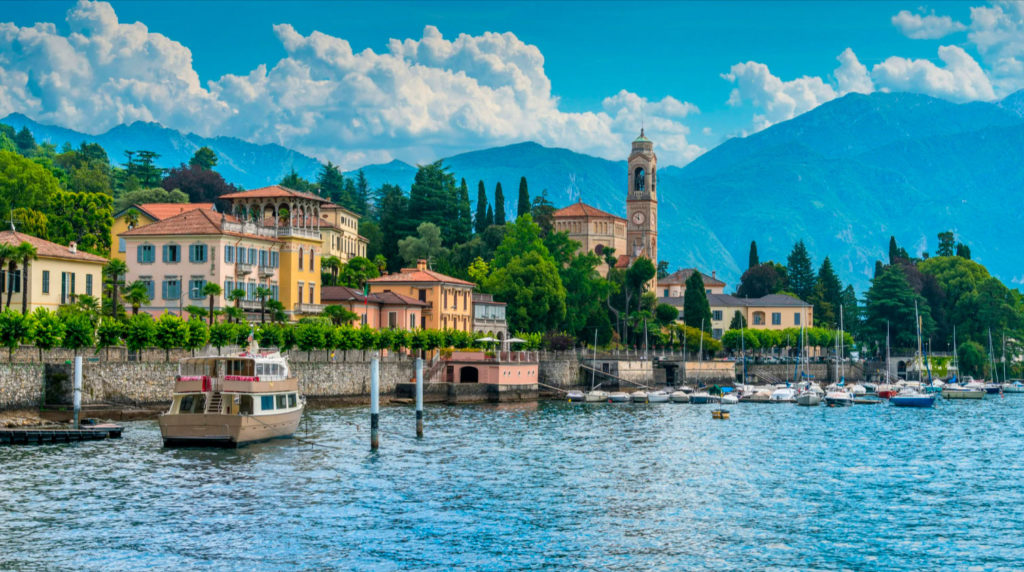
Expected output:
(230, 401)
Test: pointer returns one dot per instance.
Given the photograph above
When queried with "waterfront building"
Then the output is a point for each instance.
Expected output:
(771, 312)
(339, 228)
(377, 310)
(674, 285)
(633, 236)
(489, 316)
(448, 299)
(57, 276)
(140, 215)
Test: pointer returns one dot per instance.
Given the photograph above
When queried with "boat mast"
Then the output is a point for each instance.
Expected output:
(991, 358)
(1002, 357)
(956, 366)
(917, 321)
(593, 365)
(842, 345)
(887, 380)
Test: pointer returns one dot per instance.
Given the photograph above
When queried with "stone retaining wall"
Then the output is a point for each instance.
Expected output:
(21, 385)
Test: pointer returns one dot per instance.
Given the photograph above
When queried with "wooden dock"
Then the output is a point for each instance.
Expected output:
(39, 436)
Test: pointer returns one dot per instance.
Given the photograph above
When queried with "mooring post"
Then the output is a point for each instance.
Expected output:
(419, 397)
(374, 402)
(78, 389)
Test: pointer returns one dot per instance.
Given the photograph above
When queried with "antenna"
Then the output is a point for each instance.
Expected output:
(12, 221)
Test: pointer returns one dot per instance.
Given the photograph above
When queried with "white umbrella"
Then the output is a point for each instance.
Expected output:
(515, 341)
(486, 340)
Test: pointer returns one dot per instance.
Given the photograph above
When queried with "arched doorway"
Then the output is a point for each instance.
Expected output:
(469, 374)
(901, 369)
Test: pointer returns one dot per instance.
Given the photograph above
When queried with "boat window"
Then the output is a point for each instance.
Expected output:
(186, 404)
(245, 405)
(267, 402)
(259, 369)
(282, 401)
(277, 369)
(292, 400)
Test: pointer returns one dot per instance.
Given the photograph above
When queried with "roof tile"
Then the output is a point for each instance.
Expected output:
(47, 249)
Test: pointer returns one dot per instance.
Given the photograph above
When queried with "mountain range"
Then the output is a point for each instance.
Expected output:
(842, 177)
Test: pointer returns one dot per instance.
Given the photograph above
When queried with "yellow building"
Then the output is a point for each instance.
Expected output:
(771, 312)
(137, 216)
(294, 218)
(340, 230)
(58, 276)
(593, 228)
(449, 300)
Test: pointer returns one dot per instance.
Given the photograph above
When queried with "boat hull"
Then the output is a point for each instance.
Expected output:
(838, 401)
(657, 397)
(963, 393)
(680, 397)
(809, 399)
(917, 401)
(219, 430)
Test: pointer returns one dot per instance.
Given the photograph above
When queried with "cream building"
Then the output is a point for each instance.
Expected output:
(593, 228)
(674, 285)
(771, 312)
(58, 275)
(339, 228)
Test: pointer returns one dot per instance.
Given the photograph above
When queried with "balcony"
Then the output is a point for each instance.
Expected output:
(250, 305)
(285, 231)
(301, 308)
(243, 269)
(266, 271)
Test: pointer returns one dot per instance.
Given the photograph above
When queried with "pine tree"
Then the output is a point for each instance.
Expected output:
(946, 244)
(480, 221)
(891, 300)
(392, 207)
(800, 272)
(433, 198)
(489, 219)
(879, 267)
(963, 251)
(464, 228)
(499, 206)
(362, 198)
(524, 198)
(332, 184)
(753, 260)
(827, 296)
(738, 321)
(696, 309)
(894, 250)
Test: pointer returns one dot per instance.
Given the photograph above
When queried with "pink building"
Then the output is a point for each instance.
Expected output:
(495, 368)
(379, 309)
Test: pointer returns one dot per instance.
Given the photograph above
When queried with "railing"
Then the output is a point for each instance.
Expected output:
(301, 308)
(243, 268)
(295, 231)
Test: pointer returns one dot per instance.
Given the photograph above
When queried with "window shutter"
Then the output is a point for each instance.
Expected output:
(165, 253)
(138, 253)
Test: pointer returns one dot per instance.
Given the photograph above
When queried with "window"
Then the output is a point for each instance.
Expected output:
(776, 318)
(392, 319)
(73, 290)
(423, 295)
(14, 285)
(195, 288)
(274, 259)
(171, 289)
(300, 258)
(716, 315)
(46, 281)
(282, 401)
(293, 400)
(311, 288)
(274, 293)
(263, 257)
(716, 333)
(250, 292)
(245, 405)
(146, 253)
(758, 318)
(465, 300)
(412, 321)
(312, 265)
(88, 284)
(666, 292)
(228, 285)
(796, 318)
(197, 253)
(708, 291)
(65, 285)
(172, 253)
(267, 402)
(299, 297)
(252, 256)
(362, 319)
(229, 254)
(122, 245)
(444, 303)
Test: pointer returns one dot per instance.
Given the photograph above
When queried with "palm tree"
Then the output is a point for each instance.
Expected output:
(136, 294)
(212, 290)
(113, 271)
(236, 296)
(6, 253)
(25, 252)
(381, 262)
(331, 264)
(262, 292)
(276, 311)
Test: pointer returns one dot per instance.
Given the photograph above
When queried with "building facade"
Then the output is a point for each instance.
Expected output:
(449, 300)
(489, 316)
(137, 216)
(674, 285)
(593, 228)
(58, 275)
(340, 230)
(383, 310)
(771, 312)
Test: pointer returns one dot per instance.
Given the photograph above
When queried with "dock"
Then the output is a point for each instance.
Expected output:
(38, 436)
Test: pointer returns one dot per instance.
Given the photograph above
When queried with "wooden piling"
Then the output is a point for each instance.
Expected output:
(374, 403)
(419, 397)
(78, 390)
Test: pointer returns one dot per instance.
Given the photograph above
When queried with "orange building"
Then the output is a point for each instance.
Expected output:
(379, 310)
(449, 300)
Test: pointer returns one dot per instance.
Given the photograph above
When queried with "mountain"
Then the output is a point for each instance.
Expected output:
(240, 162)
(842, 178)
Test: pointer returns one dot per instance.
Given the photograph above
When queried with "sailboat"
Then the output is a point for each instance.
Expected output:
(911, 396)
(957, 389)
(839, 395)
(886, 390)
(993, 388)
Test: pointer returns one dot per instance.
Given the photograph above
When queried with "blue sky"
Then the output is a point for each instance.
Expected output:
(367, 82)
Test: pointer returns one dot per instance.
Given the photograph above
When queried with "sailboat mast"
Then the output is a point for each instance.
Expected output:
(956, 365)
(991, 358)
(842, 344)
(917, 322)
(887, 351)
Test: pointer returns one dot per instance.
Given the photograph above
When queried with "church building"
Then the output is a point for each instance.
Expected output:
(631, 237)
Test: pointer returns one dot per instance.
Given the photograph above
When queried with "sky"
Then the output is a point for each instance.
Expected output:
(359, 83)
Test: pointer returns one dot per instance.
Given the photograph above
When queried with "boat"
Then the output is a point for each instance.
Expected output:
(839, 398)
(231, 401)
(809, 395)
(762, 395)
(639, 397)
(729, 399)
(703, 397)
(968, 388)
(993, 388)
(1014, 386)
(719, 414)
(680, 397)
(783, 395)
(618, 397)
(657, 397)
(857, 390)
(910, 397)
(575, 396)
(596, 396)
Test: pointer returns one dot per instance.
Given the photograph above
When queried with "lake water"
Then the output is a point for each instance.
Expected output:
(540, 486)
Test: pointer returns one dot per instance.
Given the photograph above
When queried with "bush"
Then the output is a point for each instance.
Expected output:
(139, 332)
(78, 332)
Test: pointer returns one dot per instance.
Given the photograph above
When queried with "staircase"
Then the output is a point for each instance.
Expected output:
(215, 404)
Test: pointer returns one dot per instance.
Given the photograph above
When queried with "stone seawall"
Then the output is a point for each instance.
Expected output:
(559, 370)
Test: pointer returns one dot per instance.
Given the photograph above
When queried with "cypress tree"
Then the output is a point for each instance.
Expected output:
(696, 310)
(480, 222)
(499, 205)
(894, 250)
(465, 222)
(800, 272)
(827, 295)
(878, 268)
(489, 220)
(753, 260)
(524, 198)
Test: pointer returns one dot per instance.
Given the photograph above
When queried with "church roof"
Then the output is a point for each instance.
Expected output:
(641, 137)
(581, 209)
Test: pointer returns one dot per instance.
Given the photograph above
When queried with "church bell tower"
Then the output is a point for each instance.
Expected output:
(642, 201)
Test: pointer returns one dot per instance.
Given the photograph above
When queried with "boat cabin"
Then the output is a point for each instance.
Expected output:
(245, 384)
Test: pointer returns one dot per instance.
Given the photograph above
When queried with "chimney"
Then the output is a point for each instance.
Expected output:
(421, 264)
(73, 247)
(713, 275)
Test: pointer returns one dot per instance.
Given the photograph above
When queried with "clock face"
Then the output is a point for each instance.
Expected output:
(638, 217)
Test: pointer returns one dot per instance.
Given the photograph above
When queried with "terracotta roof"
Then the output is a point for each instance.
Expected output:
(623, 261)
(161, 211)
(679, 277)
(345, 294)
(47, 249)
(582, 209)
(273, 192)
(189, 223)
(418, 275)
(727, 301)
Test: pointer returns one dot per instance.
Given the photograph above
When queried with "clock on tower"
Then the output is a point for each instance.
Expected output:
(642, 200)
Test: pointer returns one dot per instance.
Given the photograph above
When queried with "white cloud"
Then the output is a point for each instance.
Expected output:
(418, 100)
(961, 79)
(851, 75)
(925, 26)
(998, 33)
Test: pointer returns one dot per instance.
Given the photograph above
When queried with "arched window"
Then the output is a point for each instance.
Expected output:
(639, 180)
(300, 258)
(312, 266)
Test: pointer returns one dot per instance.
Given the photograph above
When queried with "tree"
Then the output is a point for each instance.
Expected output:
(826, 296)
(25, 141)
(799, 271)
(662, 269)
(464, 219)
(78, 332)
(946, 244)
(362, 194)
(426, 246)
(738, 321)
(963, 251)
(144, 169)
(137, 295)
(759, 281)
(262, 293)
(359, 270)
(24, 184)
(480, 220)
(332, 186)
(894, 250)
(143, 196)
(30, 221)
(499, 205)
(696, 309)
(295, 182)
(891, 300)
(586, 293)
(340, 315)
(523, 205)
(524, 276)
(114, 272)
(48, 330)
(84, 218)
(752, 260)
(543, 212)
(211, 290)
(222, 334)
(310, 336)
(972, 360)
(108, 334)
(666, 314)
(433, 198)
(24, 252)
(204, 158)
(201, 185)
(171, 332)
(393, 208)
(198, 335)
(15, 328)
